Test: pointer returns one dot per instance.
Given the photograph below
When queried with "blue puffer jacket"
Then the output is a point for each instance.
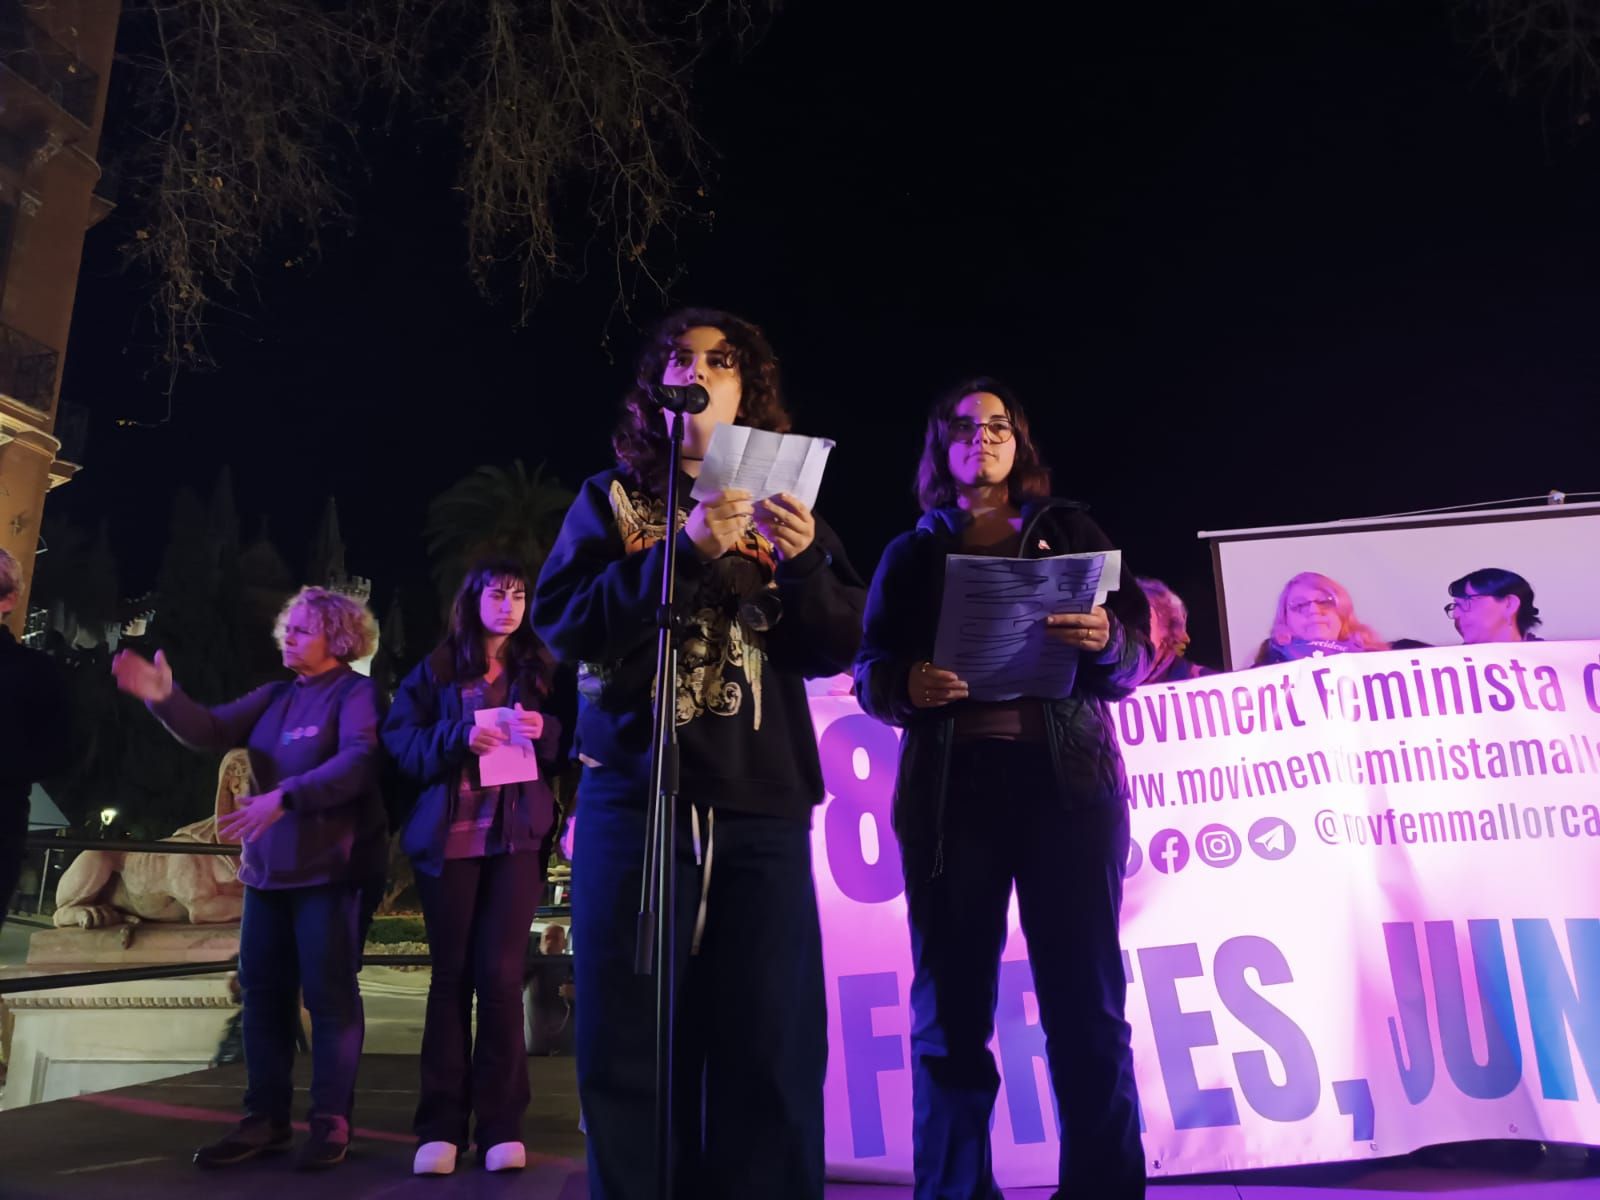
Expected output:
(902, 619)
(427, 735)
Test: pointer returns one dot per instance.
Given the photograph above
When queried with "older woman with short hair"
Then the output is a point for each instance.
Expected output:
(314, 837)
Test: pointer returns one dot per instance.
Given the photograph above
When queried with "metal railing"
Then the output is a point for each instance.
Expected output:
(27, 368)
(177, 970)
(36, 57)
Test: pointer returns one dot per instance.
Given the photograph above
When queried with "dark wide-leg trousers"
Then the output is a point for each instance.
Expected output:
(750, 1051)
(478, 912)
(1007, 824)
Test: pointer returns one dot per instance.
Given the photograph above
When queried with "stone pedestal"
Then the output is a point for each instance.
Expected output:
(71, 1040)
(131, 946)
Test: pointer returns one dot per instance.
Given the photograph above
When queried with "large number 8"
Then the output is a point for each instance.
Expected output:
(854, 798)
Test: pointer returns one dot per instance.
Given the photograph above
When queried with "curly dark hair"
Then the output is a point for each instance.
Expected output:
(640, 440)
(935, 488)
(527, 660)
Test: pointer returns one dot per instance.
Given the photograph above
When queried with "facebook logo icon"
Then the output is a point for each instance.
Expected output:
(1169, 852)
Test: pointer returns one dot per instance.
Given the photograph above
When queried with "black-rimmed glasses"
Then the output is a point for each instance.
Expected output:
(997, 429)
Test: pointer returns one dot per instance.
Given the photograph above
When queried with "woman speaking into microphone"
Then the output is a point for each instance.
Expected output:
(764, 599)
(1028, 792)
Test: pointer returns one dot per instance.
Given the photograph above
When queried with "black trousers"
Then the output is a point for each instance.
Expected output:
(478, 911)
(1007, 824)
(751, 1048)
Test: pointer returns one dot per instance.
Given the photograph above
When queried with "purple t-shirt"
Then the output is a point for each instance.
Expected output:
(316, 739)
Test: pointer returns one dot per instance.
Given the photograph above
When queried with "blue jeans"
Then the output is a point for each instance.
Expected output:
(310, 939)
(1007, 823)
(751, 1048)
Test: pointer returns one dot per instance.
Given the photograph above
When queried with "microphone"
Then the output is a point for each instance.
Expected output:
(687, 398)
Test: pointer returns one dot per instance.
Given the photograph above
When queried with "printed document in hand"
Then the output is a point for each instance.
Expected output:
(991, 620)
(513, 762)
(763, 463)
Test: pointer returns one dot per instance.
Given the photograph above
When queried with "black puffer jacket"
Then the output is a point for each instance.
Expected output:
(902, 618)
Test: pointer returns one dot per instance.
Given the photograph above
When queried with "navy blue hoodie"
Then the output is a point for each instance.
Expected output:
(744, 725)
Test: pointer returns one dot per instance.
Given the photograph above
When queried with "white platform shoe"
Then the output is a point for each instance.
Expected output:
(434, 1158)
(505, 1156)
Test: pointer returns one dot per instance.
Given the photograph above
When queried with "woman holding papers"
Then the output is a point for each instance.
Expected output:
(991, 793)
(765, 599)
(472, 724)
(315, 847)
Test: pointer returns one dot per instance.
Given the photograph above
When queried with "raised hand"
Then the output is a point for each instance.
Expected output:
(716, 525)
(141, 678)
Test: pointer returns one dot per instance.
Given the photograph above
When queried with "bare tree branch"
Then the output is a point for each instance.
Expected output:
(1548, 45)
(237, 108)
(574, 116)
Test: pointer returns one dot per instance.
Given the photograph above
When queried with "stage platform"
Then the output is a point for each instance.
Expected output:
(135, 1144)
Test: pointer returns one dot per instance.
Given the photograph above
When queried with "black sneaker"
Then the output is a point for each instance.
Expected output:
(326, 1147)
(252, 1136)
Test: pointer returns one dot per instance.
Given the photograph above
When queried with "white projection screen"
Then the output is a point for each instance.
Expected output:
(1397, 569)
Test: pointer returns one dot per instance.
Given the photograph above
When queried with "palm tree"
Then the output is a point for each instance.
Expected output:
(502, 511)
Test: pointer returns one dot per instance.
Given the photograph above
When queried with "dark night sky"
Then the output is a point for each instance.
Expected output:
(1249, 263)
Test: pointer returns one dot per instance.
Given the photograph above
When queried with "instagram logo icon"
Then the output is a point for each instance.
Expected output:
(1218, 846)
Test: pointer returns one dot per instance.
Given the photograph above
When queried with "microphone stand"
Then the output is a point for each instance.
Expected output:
(654, 948)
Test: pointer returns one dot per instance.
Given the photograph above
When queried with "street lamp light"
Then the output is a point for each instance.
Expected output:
(107, 816)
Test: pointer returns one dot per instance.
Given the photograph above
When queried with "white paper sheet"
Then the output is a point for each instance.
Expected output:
(514, 762)
(763, 463)
(992, 620)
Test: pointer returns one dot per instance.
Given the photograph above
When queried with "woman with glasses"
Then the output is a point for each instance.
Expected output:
(1493, 605)
(1315, 616)
(1028, 792)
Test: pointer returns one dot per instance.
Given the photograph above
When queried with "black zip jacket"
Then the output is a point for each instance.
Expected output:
(902, 619)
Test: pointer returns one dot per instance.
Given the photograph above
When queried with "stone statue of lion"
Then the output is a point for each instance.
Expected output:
(115, 887)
